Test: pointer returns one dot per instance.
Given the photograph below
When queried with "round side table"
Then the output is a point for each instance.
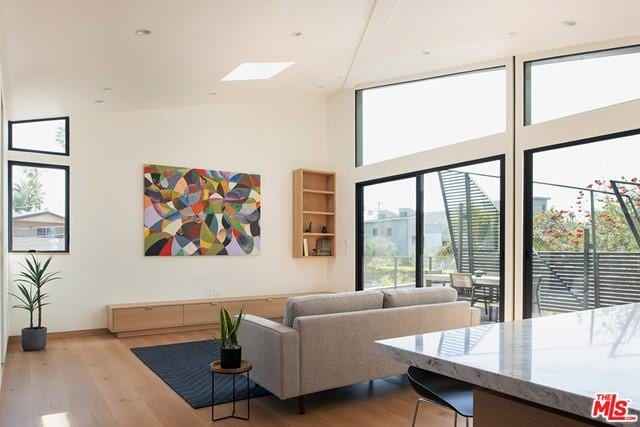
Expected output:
(245, 367)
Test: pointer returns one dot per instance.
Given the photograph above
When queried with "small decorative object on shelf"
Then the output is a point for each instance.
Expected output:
(323, 247)
(324, 229)
(305, 247)
(230, 351)
(308, 229)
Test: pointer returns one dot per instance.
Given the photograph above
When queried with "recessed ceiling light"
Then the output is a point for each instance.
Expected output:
(106, 89)
(296, 34)
(425, 52)
(142, 32)
(212, 94)
(569, 23)
(512, 33)
(320, 86)
(98, 101)
(256, 70)
(341, 77)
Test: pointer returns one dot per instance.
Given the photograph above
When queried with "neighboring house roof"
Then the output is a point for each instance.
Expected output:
(34, 216)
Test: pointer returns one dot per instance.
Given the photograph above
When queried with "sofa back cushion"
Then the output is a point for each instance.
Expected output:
(342, 302)
(418, 296)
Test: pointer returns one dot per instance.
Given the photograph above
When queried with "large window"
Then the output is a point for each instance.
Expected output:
(435, 228)
(559, 87)
(582, 225)
(38, 207)
(406, 118)
(49, 136)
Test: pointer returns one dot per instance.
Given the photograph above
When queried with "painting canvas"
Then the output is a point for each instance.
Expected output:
(190, 211)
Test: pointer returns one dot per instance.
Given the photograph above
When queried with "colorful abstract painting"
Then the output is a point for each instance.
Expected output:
(200, 212)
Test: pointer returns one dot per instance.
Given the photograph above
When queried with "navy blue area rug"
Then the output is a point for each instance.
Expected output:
(185, 368)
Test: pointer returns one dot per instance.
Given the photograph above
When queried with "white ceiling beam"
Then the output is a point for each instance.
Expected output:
(380, 17)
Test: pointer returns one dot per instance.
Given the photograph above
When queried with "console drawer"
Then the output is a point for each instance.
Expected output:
(270, 308)
(137, 318)
(208, 312)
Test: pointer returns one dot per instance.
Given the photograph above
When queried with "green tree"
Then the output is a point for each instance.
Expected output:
(446, 249)
(380, 247)
(561, 230)
(557, 230)
(28, 194)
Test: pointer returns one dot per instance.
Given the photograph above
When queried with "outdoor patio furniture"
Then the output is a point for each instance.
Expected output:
(468, 288)
(463, 283)
(536, 281)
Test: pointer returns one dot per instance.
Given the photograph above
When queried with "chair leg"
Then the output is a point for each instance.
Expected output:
(455, 419)
(301, 407)
(415, 413)
(466, 420)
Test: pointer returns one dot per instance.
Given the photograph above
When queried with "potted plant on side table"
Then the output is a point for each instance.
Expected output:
(230, 351)
(30, 282)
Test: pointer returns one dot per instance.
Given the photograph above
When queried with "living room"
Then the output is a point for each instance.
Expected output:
(395, 212)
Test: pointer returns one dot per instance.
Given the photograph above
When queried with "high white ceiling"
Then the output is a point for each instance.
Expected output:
(59, 55)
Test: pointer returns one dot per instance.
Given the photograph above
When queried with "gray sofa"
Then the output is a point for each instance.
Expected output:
(326, 341)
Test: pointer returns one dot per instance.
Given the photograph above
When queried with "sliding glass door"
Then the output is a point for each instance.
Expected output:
(582, 225)
(433, 228)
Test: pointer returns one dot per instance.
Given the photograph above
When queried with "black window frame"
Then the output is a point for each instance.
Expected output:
(49, 119)
(526, 87)
(527, 229)
(359, 114)
(419, 243)
(10, 165)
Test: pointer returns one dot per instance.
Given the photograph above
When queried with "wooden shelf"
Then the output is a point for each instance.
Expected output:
(318, 256)
(314, 203)
(307, 190)
(317, 213)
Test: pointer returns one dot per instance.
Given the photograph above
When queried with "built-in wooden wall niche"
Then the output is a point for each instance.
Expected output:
(314, 201)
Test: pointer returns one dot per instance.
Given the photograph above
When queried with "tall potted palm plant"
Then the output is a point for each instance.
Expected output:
(30, 282)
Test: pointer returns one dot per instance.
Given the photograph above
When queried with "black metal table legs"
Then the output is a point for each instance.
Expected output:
(233, 410)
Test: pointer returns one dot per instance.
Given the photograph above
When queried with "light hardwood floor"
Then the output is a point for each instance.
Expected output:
(97, 381)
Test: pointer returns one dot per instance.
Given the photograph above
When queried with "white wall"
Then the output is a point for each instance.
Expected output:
(106, 263)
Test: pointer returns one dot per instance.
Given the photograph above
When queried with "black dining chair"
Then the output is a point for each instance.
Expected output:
(442, 390)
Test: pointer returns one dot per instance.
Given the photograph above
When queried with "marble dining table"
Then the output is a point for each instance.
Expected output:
(558, 361)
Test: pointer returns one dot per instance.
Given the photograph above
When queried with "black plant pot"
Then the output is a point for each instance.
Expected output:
(230, 358)
(34, 339)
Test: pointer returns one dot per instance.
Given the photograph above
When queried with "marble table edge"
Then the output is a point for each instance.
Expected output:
(577, 404)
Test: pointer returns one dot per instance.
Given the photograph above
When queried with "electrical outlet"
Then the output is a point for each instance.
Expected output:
(210, 292)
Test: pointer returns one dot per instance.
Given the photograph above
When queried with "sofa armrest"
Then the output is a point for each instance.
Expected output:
(273, 350)
(475, 316)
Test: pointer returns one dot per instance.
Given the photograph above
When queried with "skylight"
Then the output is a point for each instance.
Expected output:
(256, 70)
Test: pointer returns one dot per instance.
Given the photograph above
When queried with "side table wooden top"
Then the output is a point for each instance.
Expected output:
(245, 366)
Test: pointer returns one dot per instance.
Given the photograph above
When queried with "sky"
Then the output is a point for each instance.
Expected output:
(418, 116)
(401, 194)
(580, 165)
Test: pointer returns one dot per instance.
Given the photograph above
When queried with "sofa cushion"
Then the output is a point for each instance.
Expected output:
(418, 296)
(342, 302)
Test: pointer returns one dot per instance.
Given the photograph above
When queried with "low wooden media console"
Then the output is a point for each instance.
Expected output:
(148, 318)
